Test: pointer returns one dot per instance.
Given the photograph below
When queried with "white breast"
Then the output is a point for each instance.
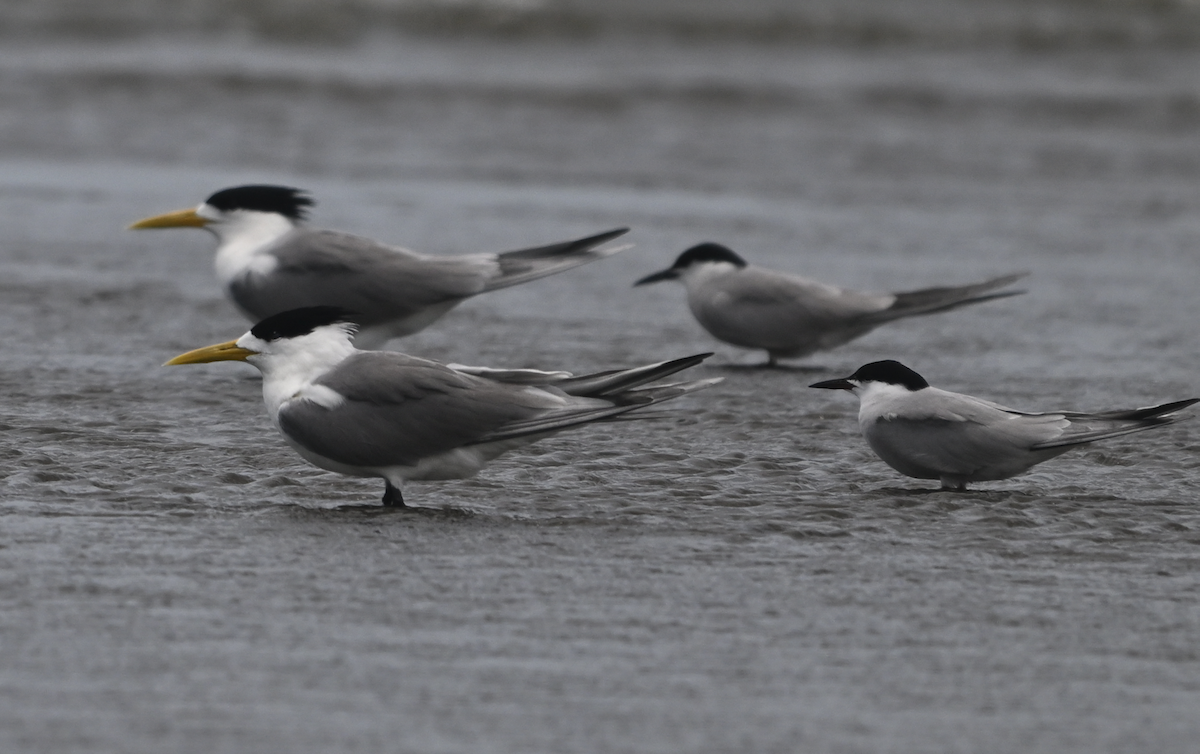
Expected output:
(245, 237)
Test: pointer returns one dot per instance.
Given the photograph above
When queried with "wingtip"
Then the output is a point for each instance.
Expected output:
(665, 391)
(691, 361)
(605, 237)
(1172, 409)
(1009, 279)
(609, 251)
(999, 294)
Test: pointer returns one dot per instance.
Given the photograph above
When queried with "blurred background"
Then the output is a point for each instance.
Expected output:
(871, 143)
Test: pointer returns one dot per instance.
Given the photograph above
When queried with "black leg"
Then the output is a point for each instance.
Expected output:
(392, 497)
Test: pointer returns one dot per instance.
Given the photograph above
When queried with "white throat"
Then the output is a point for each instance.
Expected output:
(243, 237)
(879, 399)
(289, 366)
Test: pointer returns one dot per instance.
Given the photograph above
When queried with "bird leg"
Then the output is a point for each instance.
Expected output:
(392, 497)
(953, 486)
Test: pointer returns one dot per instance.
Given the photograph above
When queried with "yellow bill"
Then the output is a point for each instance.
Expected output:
(184, 218)
(220, 352)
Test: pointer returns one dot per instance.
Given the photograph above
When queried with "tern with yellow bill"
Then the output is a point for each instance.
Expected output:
(398, 417)
(268, 262)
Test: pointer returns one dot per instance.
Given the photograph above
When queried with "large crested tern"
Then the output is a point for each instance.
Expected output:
(398, 417)
(790, 316)
(269, 262)
(927, 433)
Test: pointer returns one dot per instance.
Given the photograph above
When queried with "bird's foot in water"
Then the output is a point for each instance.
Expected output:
(392, 497)
(774, 363)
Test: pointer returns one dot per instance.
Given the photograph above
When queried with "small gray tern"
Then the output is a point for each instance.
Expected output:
(269, 262)
(789, 316)
(398, 417)
(927, 433)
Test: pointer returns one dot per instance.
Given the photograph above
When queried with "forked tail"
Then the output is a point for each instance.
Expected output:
(624, 391)
(1090, 427)
(931, 300)
(530, 264)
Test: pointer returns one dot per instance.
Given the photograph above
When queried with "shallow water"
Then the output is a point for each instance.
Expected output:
(743, 575)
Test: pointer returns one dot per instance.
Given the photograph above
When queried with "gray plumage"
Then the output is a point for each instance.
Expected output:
(398, 410)
(928, 433)
(398, 417)
(392, 292)
(969, 440)
(270, 263)
(790, 316)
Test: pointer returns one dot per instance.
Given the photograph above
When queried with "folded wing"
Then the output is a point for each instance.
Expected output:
(1086, 428)
(393, 409)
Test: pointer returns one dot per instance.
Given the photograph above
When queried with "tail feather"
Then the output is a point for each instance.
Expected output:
(604, 384)
(931, 300)
(1150, 412)
(633, 397)
(595, 385)
(512, 376)
(652, 394)
(1087, 428)
(524, 265)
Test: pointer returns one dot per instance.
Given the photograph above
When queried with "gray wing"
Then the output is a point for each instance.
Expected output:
(523, 265)
(944, 433)
(1086, 428)
(767, 309)
(932, 448)
(399, 409)
(379, 283)
(1042, 431)
(933, 300)
(760, 287)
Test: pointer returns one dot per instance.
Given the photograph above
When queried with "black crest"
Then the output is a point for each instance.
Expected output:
(297, 322)
(708, 252)
(891, 372)
(284, 200)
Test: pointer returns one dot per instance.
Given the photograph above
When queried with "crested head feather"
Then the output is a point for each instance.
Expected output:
(298, 322)
(708, 252)
(290, 202)
(890, 372)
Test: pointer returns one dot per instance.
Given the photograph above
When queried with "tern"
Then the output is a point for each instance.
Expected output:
(790, 316)
(269, 262)
(398, 417)
(927, 433)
